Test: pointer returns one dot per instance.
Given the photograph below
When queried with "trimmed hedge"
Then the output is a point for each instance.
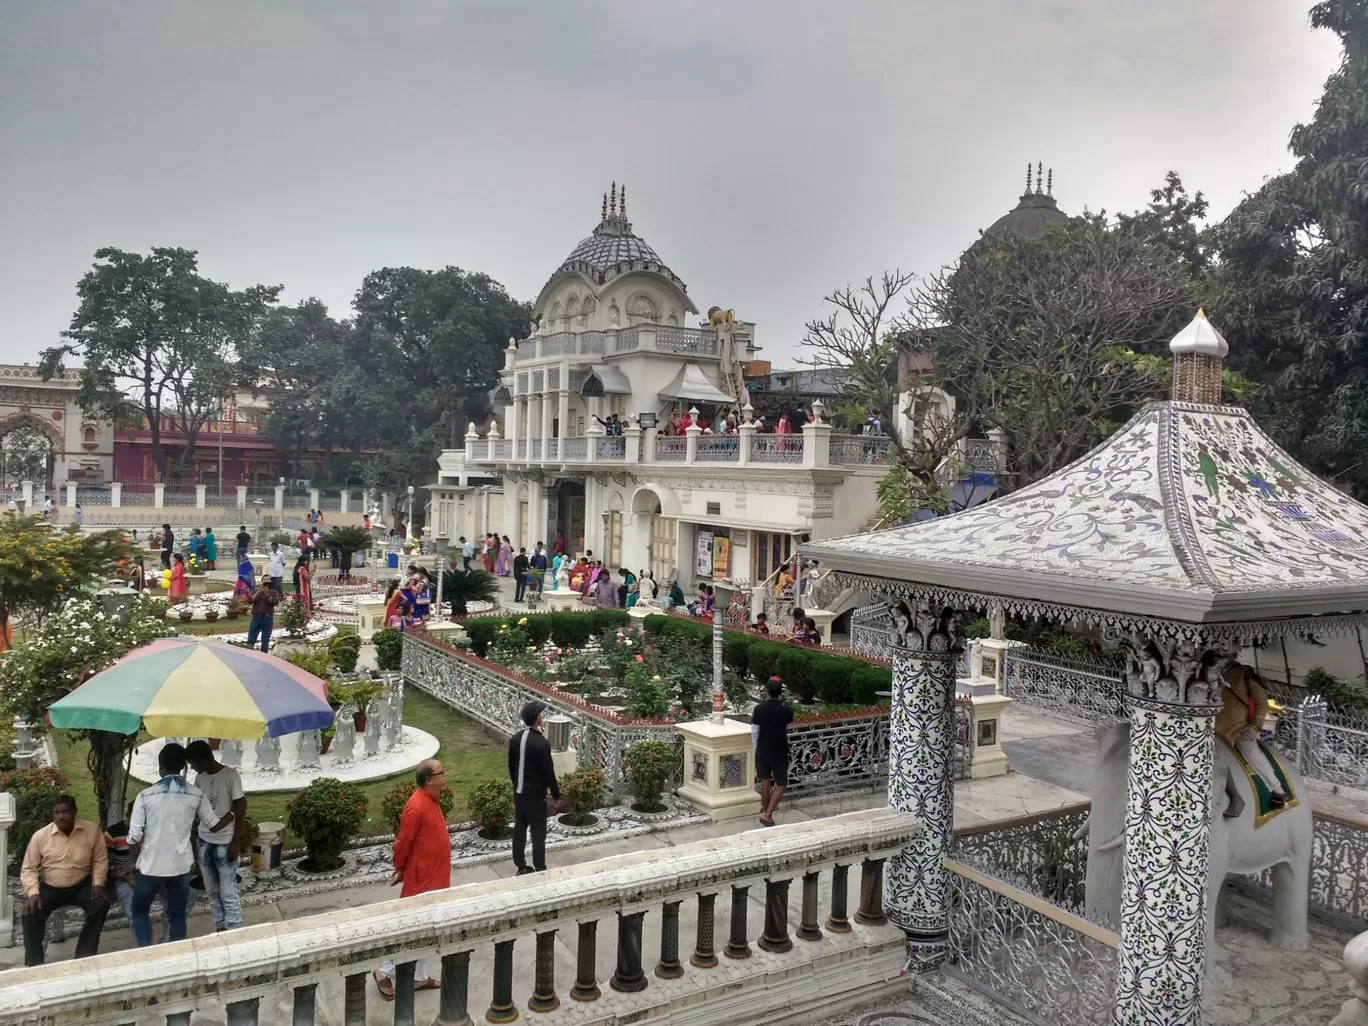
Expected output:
(568, 630)
(807, 672)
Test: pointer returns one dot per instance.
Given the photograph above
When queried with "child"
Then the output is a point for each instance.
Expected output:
(761, 625)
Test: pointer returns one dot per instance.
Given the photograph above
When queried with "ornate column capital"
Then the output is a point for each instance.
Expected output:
(925, 627)
(1171, 672)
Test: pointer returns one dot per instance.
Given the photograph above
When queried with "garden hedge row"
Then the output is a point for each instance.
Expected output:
(568, 630)
(807, 672)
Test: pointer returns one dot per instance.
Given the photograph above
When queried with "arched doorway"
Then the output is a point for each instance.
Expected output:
(654, 536)
(27, 449)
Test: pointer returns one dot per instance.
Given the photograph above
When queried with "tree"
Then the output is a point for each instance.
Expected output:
(438, 337)
(866, 341)
(157, 340)
(1171, 221)
(1291, 290)
(26, 452)
(40, 570)
(346, 542)
(462, 587)
(70, 647)
(1049, 338)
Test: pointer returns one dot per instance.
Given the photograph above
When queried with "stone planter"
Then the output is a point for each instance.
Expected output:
(199, 583)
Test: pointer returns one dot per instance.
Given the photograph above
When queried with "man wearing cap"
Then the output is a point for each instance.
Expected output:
(532, 773)
(769, 733)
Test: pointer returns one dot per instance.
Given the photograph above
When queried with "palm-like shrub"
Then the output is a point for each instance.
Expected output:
(346, 542)
(462, 587)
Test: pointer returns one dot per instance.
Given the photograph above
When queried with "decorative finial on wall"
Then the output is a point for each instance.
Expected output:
(1028, 176)
(605, 206)
(1040, 166)
(622, 202)
(612, 200)
(1049, 183)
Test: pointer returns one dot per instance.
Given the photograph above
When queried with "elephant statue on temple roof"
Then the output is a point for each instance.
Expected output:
(1238, 847)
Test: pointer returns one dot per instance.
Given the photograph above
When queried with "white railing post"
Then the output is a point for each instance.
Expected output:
(116, 494)
(343, 505)
(241, 496)
(691, 434)
(200, 494)
(1353, 1012)
(280, 497)
(816, 445)
(70, 494)
(159, 495)
(7, 817)
(315, 499)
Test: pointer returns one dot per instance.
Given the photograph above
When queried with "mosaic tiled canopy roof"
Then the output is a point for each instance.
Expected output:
(1190, 512)
(613, 250)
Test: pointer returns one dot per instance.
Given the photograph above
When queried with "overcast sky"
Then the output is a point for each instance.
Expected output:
(772, 151)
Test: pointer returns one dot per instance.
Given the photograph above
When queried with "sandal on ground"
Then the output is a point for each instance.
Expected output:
(766, 822)
(384, 985)
(428, 984)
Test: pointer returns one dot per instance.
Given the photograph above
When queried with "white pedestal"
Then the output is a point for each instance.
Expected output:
(719, 769)
(641, 612)
(986, 659)
(370, 616)
(823, 618)
(445, 630)
(564, 762)
(989, 758)
(7, 817)
(561, 601)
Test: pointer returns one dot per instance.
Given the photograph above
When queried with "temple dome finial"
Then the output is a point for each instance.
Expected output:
(1197, 353)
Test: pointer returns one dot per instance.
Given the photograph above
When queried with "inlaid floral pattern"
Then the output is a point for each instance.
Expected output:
(916, 889)
(1168, 842)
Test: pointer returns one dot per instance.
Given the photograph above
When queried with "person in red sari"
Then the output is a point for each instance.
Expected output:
(422, 860)
(180, 587)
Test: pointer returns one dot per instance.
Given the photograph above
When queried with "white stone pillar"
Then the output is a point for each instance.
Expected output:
(27, 492)
(200, 491)
(159, 495)
(511, 427)
(315, 500)
(344, 504)
(116, 494)
(1353, 1012)
(746, 432)
(691, 434)
(920, 763)
(999, 439)
(546, 424)
(563, 412)
(1168, 831)
(817, 445)
(70, 494)
(631, 442)
(7, 818)
(280, 497)
(241, 496)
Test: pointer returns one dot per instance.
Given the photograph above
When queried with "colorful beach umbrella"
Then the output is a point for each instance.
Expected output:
(192, 687)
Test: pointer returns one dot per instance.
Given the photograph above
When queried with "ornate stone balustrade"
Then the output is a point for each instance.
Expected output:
(859, 450)
(317, 968)
(494, 696)
(839, 752)
(776, 449)
(1083, 687)
(1039, 853)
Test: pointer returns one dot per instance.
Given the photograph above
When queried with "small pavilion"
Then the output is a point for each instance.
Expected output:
(1183, 538)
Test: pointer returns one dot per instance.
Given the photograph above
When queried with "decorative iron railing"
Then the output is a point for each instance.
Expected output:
(575, 450)
(610, 447)
(553, 448)
(1088, 688)
(627, 341)
(503, 449)
(776, 449)
(839, 753)
(520, 449)
(1047, 964)
(1039, 854)
(981, 454)
(534, 449)
(591, 342)
(89, 495)
(858, 450)
(689, 341)
(671, 449)
(718, 449)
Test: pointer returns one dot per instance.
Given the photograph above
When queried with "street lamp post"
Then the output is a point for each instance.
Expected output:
(408, 524)
(719, 699)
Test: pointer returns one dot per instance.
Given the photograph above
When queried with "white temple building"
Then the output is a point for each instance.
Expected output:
(616, 336)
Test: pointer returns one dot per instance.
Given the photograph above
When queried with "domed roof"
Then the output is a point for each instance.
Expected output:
(613, 249)
(1034, 212)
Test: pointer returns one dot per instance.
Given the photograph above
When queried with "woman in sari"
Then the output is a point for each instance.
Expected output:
(180, 588)
(422, 596)
(487, 553)
(393, 600)
(505, 558)
(627, 590)
(304, 586)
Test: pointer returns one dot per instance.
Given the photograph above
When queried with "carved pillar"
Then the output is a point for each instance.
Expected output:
(920, 757)
(1175, 689)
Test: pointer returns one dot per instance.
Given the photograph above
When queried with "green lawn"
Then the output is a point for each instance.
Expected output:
(466, 752)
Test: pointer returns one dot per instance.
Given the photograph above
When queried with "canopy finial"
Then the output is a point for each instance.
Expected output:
(1197, 353)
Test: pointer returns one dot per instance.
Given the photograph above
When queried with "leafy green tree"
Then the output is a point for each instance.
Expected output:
(41, 569)
(1291, 290)
(1172, 221)
(26, 452)
(157, 340)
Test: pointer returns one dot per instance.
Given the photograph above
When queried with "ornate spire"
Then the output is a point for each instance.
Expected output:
(1049, 183)
(605, 206)
(1039, 167)
(1197, 353)
(622, 202)
(1028, 177)
(612, 200)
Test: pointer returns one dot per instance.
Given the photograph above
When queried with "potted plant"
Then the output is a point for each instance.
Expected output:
(325, 739)
(462, 587)
(186, 615)
(491, 806)
(389, 648)
(293, 617)
(211, 615)
(344, 649)
(582, 790)
(326, 814)
(235, 609)
(650, 764)
(338, 694)
(392, 805)
(361, 694)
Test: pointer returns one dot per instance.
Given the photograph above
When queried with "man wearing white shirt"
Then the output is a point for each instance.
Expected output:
(159, 844)
(276, 570)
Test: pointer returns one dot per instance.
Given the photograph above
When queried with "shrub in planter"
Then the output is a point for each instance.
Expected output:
(344, 649)
(33, 791)
(389, 648)
(794, 667)
(211, 616)
(650, 764)
(326, 814)
(764, 658)
(830, 679)
(392, 805)
(866, 681)
(313, 659)
(186, 615)
(582, 790)
(292, 617)
(491, 806)
(360, 694)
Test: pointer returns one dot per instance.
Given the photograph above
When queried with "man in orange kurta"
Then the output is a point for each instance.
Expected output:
(422, 860)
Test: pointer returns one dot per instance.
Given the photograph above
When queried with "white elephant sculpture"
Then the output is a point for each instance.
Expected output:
(1282, 844)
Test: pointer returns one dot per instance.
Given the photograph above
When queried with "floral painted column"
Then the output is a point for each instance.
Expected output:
(1175, 690)
(920, 756)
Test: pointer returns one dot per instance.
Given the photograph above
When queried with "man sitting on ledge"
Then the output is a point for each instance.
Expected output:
(65, 863)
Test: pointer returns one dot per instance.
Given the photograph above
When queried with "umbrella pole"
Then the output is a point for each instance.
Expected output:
(128, 770)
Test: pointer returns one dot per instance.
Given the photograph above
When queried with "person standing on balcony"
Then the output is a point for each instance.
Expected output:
(159, 841)
(65, 863)
(533, 774)
(769, 734)
(422, 860)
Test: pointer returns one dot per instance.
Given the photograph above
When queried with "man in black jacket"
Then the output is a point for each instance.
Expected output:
(532, 773)
(520, 568)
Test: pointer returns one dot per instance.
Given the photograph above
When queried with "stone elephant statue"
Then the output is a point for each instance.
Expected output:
(1282, 844)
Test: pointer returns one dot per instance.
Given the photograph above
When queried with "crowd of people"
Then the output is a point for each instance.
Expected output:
(72, 862)
(408, 602)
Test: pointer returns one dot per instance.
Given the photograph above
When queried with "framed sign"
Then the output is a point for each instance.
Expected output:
(721, 560)
(704, 568)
